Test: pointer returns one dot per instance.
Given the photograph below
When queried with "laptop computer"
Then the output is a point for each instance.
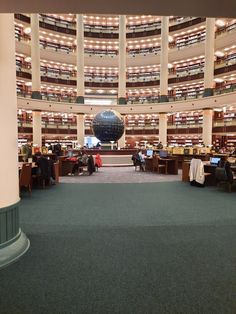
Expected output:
(214, 161)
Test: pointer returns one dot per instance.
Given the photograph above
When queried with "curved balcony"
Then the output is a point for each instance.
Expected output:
(216, 101)
(108, 32)
(109, 58)
(102, 83)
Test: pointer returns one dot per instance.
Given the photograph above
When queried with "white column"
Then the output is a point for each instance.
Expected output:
(9, 180)
(80, 129)
(121, 141)
(207, 127)
(37, 128)
(80, 58)
(209, 57)
(122, 60)
(164, 59)
(35, 57)
(163, 128)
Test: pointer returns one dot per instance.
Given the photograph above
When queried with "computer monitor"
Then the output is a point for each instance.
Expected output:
(214, 161)
(149, 152)
(163, 153)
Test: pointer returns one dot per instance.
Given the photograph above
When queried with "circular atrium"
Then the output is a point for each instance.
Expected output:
(146, 67)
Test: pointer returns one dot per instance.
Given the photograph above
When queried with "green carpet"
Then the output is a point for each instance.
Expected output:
(125, 248)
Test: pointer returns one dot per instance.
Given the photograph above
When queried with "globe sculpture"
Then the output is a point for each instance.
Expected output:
(108, 126)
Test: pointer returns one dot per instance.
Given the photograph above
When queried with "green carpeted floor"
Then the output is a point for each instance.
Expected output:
(125, 248)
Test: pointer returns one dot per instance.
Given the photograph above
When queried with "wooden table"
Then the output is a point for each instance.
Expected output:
(20, 165)
(171, 164)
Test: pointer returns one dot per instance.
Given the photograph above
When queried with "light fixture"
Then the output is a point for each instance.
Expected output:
(27, 59)
(219, 54)
(27, 30)
(220, 23)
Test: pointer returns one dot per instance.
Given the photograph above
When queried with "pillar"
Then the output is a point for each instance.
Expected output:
(122, 60)
(80, 58)
(37, 128)
(80, 129)
(35, 57)
(164, 59)
(209, 57)
(13, 242)
(163, 128)
(121, 141)
(207, 127)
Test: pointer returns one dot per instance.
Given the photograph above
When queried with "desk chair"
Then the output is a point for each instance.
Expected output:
(25, 177)
(225, 176)
(45, 172)
(138, 164)
(156, 166)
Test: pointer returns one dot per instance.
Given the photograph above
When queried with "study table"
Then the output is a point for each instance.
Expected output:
(171, 164)
(208, 168)
(20, 165)
(33, 165)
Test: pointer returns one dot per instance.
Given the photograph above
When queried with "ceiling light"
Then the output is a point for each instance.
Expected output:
(219, 54)
(218, 80)
(27, 59)
(27, 30)
(220, 23)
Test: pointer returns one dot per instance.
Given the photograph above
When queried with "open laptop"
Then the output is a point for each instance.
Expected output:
(163, 153)
(214, 161)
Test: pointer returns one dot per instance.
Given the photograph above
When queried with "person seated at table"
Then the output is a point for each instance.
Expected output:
(234, 151)
(27, 150)
(82, 160)
(160, 145)
(139, 160)
(45, 168)
(91, 166)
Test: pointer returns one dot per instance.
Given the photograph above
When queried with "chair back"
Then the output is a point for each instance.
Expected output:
(224, 173)
(45, 168)
(25, 175)
(155, 161)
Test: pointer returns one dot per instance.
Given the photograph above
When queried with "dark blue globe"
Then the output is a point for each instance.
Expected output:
(108, 126)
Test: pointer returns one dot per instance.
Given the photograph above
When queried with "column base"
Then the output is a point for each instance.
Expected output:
(36, 95)
(208, 92)
(163, 98)
(122, 101)
(12, 252)
(79, 100)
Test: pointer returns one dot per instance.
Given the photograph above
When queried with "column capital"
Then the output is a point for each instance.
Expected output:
(208, 92)
(79, 100)
(163, 98)
(36, 95)
(122, 101)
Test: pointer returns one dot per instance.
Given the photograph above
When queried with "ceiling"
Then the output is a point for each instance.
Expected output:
(205, 8)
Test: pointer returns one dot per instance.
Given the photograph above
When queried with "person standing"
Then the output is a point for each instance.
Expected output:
(27, 150)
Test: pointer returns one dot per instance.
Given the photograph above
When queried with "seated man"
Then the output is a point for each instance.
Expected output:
(45, 168)
(138, 160)
(82, 160)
